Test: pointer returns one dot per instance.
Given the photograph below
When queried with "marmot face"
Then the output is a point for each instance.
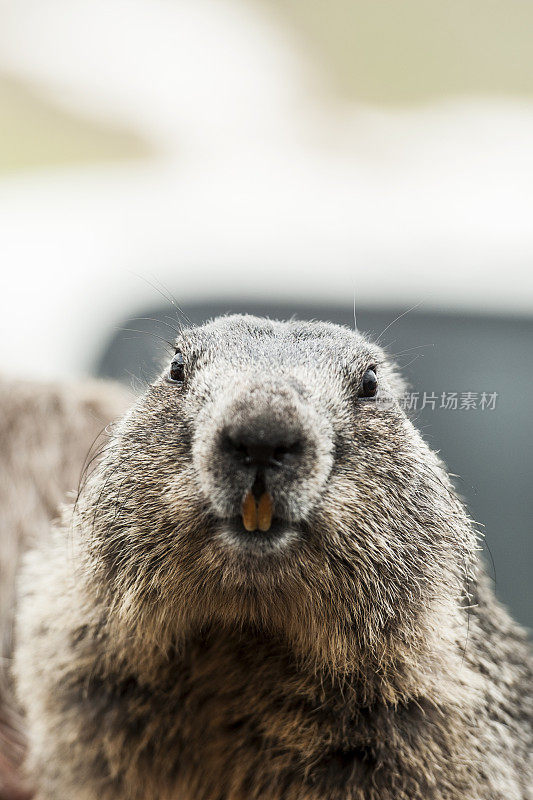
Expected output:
(270, 477)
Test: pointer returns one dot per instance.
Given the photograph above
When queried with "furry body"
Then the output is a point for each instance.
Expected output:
(46, 432)
(164, 653)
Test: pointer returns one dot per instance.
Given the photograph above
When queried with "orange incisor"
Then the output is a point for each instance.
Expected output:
(257, 515)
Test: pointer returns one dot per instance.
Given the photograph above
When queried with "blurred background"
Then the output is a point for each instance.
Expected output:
(284, 157)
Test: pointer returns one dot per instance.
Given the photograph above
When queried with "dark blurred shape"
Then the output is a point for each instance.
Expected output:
(490, 450)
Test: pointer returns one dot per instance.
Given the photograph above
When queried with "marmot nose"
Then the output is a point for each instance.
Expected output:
(262, 452)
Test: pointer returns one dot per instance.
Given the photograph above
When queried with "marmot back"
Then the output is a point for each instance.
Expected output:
(269, 590)
(46, 433)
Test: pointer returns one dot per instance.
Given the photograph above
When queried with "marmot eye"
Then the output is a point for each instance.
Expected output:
(176, 371)
(369, 384)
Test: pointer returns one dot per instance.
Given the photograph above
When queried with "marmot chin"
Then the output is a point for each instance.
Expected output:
(269, 590)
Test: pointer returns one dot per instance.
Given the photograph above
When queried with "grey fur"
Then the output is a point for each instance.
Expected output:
(164, 654)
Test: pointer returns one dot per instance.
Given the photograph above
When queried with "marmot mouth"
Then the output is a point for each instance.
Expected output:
(280, 530)
(276, 527)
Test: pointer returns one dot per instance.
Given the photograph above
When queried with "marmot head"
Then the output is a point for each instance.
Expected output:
(270, 477)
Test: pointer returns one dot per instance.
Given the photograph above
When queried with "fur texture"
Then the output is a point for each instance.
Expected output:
(46, 432)
(353, 652)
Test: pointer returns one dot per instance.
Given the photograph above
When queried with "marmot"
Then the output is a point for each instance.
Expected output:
(269, 590)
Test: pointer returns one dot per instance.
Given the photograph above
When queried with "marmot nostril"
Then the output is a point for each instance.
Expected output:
(261, 452)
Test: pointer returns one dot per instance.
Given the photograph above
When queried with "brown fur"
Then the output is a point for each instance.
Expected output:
(46, 432)
(357, 654)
